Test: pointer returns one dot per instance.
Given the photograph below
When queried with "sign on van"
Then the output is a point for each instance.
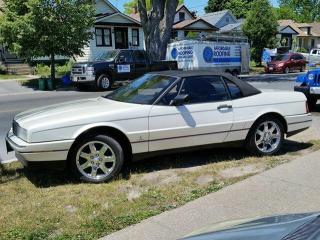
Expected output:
(202, 54)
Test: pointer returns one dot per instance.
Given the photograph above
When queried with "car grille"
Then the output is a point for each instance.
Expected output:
(308, 231)
(77, 70)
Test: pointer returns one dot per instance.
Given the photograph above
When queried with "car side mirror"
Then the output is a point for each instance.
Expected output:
(180, 100)
(121, 59)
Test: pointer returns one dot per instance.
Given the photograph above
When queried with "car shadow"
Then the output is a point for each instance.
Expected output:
(43, 177)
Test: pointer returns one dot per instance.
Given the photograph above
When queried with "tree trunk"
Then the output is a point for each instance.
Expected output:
(157, 25)
(53, 69)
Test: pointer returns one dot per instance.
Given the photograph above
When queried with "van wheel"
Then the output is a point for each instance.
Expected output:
(266, 136)
(96, 159)
(104, 82)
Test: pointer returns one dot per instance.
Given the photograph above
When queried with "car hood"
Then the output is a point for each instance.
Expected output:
(275, 228)
(79, 113)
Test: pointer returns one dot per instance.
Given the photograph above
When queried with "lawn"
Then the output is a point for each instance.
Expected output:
(43, 204)
(9, 76)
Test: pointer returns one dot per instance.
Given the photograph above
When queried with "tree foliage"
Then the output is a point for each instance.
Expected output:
(38, 28)
(285, 12)
(128, 6)
(239, 8)
(305, 10)
(260, 27)
(157, 25)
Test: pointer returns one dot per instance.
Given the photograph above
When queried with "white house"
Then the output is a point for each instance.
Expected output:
(112, 30)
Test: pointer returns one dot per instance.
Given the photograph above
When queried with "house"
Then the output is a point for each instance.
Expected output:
(186, 23)
(225, 21)
(298, 36)
(112, 30)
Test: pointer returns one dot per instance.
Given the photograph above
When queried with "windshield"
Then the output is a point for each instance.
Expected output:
(144, 90)
(107, 56)
(282, 57)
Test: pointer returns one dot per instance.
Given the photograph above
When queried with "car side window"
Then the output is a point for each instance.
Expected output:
(126, 56)
(139, 57)
(166, 100)
(204, 89)
(234, 90)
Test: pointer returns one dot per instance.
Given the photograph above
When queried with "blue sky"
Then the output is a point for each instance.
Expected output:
(194, 5)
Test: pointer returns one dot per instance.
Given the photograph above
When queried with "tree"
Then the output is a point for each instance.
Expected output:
(238, 7)
(40, 28)
(285, 12)
(260, 27)
(306, 10)
(129, 6)
(157, 25)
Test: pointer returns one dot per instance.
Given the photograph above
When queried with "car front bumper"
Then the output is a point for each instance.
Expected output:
(38, 152)
(308, 91)
(83, 78)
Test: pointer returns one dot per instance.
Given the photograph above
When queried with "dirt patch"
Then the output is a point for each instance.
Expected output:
(160, 178)
(236, 172)
(204, 180)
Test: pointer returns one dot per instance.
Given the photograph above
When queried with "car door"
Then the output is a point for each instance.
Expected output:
(124, 67)
(206, 118)
(140, 63)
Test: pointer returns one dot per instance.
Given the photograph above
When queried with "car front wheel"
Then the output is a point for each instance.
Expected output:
(96, 159)
(286, 70)
(266, 136)
(104, 82)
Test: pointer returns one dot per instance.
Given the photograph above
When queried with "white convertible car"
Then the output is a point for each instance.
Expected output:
(174, 110)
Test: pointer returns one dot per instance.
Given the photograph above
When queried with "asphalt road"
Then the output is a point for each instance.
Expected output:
(15, 99)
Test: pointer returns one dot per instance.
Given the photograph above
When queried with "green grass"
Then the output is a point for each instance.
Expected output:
(255, 69)
(43, 204)
(8, 77)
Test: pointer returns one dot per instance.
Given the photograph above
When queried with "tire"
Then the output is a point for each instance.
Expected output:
(96, 159)
(286, 70)
(302, 69)
(256, 142)
(312, 103)
(104, 82)
(235, 73)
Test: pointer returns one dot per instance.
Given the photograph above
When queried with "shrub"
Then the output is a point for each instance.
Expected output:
(2, 70)
(43, 70)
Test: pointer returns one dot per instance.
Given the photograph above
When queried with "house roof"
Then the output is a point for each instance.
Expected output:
(215, 17)
(101, 17)
(188, 23)
(314, 27)
(230, 27)
(111, 6)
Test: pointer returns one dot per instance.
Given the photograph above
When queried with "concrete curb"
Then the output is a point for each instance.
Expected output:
(289, 188)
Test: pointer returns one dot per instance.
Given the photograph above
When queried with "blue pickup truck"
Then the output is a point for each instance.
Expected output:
(310, 86)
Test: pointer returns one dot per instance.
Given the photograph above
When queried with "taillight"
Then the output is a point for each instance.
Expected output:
(307, 107)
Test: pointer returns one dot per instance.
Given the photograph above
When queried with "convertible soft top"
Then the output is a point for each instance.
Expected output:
(246, 89)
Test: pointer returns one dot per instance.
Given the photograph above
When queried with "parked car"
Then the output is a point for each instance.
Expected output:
(116, 65)
(310, 86)
(157, 113)
(286, 227)
(285, 63)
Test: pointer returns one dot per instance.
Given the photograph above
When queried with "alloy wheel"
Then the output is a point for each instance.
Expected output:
(105, 83)
(95, 160)
(268, 137)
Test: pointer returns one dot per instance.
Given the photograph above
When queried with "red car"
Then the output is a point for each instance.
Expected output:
(286, 63)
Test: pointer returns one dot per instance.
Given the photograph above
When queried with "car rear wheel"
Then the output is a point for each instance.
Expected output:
(104, 82)
(312, 103)
(96, 159)
(266, 136)
(286, 70)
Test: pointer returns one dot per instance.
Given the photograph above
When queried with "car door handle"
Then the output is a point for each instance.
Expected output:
(225, 106)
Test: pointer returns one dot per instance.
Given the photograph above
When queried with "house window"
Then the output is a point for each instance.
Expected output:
(182, 16)
(103, 37)
(135, 37)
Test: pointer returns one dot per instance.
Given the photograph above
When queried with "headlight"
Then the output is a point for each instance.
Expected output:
(19, 131)
(311, 77)
(90, 70)
(281, 65)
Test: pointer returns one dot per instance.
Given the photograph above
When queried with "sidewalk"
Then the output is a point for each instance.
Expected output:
(290, 188)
